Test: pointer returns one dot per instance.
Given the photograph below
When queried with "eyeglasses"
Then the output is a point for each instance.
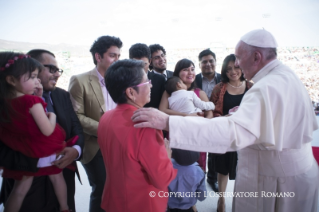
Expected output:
(53, 69)
(144, 83)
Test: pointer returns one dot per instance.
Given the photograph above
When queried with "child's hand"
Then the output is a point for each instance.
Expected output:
(200, 114)
(233, 110)
(39, 89)
(168, 149)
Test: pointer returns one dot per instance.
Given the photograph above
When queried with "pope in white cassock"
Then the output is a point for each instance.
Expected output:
(272, 132)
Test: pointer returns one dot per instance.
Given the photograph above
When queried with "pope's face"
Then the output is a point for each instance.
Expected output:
(245, 60)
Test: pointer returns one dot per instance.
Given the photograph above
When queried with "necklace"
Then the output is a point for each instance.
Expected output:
(236, 86)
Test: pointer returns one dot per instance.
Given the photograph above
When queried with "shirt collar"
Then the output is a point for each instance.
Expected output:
(101, 78)
(215, 77)
(265, 70)
(164, 73)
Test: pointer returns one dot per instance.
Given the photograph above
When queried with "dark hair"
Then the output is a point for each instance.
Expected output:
(205, 53)
(171, 83)
(185, 157)
(37, 54)
(140, 50)
(223, 73)
(19, 67)
(156, 47)
(121, 75)
(180, 65)
(102, 44)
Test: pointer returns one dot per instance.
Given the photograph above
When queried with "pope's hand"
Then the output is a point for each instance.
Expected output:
(150, 117)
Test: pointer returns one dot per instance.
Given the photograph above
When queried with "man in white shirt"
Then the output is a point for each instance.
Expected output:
(158, 61)
(90, 100)
(271, 130)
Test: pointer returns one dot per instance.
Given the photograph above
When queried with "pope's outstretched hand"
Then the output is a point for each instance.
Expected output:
(150, 117)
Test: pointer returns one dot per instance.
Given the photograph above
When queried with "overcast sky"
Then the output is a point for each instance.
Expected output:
(172, 23)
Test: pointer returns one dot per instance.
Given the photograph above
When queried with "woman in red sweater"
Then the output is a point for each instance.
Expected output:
(138, 165)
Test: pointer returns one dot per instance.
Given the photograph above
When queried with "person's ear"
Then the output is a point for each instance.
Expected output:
(179, 85)
(97, 57)
(130, 93)
(257, 57)
(151, 62)
(11, 80)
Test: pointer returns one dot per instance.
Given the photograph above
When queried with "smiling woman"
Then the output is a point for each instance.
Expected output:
(136, 160)
(227, 95)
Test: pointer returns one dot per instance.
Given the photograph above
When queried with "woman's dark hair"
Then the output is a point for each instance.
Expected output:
(19, 65)
(228, 59)
(121, 75)
(180, 65)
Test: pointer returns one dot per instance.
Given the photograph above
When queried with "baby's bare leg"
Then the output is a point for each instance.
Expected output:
(60, 190)
(18, 193)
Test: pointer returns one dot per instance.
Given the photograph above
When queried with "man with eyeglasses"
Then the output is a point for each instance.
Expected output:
(206, 80)
(158, 61)
(140, 51)
(90, 100)
(41, 196)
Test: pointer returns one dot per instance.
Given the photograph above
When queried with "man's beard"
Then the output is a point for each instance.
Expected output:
(208, 73)
(160, 70)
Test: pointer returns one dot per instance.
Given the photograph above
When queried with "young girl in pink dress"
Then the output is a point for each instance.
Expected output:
(26, 127)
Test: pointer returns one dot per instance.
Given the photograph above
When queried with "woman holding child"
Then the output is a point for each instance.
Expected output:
(185, 70)
(226, 95)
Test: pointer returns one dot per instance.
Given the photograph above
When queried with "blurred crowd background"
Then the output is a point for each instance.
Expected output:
(303, 60)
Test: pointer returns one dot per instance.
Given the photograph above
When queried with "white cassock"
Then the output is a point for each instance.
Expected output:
(272, 131)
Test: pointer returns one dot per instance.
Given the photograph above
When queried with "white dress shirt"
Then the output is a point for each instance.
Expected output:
(109, 104)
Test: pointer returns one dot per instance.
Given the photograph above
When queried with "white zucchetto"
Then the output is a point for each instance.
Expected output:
(260, 38)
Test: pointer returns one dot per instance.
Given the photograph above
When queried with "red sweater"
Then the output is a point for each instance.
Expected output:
(136, 163)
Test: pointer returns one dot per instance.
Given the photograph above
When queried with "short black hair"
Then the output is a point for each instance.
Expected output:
(185, 157)
(102, 44)
(223, 77)
(180, 65)
(205, 53)
(139, 50)
(171, 83)
(121, 75)
(37, 54)
(156, 47)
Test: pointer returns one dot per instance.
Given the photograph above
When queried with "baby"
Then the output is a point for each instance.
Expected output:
(184, 101)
